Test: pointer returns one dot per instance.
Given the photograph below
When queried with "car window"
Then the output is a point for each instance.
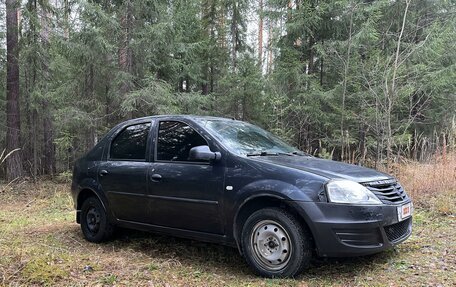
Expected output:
(130, 144)
(175, 139)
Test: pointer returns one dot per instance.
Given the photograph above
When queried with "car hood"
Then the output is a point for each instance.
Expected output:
(327, 168)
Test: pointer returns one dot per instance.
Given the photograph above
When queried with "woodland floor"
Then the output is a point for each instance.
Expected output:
(40, 244)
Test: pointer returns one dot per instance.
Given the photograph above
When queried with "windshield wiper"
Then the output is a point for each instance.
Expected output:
(261, 153)
(268, 153)
(300, 153)
(286, 153)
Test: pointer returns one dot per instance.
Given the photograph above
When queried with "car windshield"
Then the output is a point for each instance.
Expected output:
(247, 139)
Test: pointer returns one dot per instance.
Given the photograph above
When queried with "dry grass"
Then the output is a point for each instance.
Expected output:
(41, 245)
(431, 185)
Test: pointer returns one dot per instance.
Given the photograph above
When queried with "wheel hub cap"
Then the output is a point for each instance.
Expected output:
(271, 245)
(93, 219)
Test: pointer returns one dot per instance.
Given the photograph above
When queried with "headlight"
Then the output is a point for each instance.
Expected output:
(347, 191)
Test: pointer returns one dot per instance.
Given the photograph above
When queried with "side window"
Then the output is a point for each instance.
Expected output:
(175, 139)
(130, 144)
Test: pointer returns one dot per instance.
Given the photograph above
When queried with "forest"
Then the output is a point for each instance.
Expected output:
(367, 82)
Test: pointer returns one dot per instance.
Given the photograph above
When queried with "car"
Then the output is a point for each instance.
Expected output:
(230, 182)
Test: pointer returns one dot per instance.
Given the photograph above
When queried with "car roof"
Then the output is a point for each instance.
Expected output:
(189, 117)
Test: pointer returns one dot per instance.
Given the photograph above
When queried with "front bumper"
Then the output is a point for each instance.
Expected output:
(350, 230)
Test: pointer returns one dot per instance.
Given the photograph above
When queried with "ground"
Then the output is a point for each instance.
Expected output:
(40, 244)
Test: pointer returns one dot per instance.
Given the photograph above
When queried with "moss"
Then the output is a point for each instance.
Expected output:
(44, 269)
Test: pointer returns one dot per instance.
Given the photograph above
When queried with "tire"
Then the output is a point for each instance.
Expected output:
(275, 244)
(94, 222)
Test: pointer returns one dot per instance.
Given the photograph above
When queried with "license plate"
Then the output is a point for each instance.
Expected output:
(404, 211)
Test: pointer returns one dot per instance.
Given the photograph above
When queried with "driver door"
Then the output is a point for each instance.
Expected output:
(184, 194)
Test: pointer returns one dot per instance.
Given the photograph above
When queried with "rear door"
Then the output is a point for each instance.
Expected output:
(123, 176)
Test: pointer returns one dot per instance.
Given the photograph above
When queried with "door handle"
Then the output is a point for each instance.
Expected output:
(103, 172)
(156, 177)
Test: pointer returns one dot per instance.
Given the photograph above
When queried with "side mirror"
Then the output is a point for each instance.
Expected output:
(203, 153)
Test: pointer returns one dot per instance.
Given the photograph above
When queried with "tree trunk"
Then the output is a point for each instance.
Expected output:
(14, 168)
(48, 125)
(49, 145)
(66, 22)
(270, 51)
(36, 163)
(125, 53)
(260, 35)
(31, 107)
(346, 68)
(234, 36)
(207, 10)
(362, 142)
(391, 94)
(90, 91)
(310, 65)
(321, 65)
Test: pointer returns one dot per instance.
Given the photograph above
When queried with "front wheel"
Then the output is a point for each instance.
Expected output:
(275, 243)
(94, 221)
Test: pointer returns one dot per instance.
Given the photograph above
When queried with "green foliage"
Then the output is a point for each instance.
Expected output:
(324, 85)
(241, 91)
(154, 98)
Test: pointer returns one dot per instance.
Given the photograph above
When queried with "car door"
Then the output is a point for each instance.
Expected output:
(184, 194)
(123, 176)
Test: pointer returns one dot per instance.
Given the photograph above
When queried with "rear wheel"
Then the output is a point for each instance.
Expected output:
(94, 221)
(275, 244)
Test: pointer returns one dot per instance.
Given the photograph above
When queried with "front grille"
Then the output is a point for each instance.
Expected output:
(388, 191)
(397, 231)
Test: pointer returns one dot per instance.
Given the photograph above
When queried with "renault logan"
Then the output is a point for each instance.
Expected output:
(230, 182)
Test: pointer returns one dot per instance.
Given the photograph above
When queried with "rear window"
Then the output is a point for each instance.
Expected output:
(130, 144)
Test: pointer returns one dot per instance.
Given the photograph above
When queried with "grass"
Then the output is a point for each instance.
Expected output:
(432, 185)
(41, 245)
